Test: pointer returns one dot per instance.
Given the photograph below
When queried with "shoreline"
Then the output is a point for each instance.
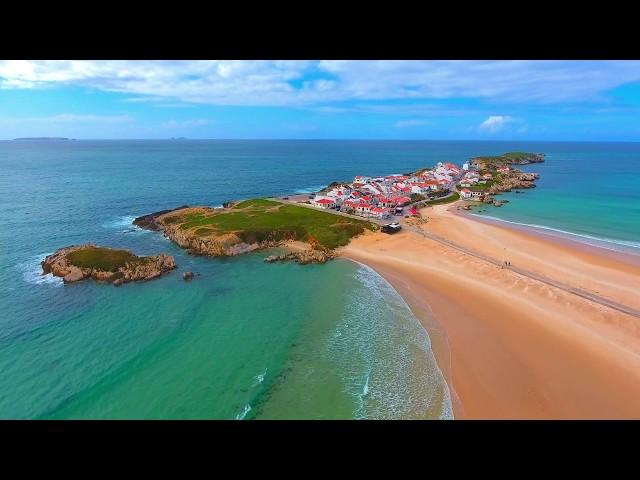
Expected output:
(437, 337)
(507, 345)
(561, 236)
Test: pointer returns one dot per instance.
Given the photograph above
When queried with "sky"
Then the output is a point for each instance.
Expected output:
(346, 99)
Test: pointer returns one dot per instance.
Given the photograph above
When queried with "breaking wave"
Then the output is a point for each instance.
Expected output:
(385, 355)
(314, 189)
(32, 272)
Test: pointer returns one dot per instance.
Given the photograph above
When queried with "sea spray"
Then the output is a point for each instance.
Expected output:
(32, 271)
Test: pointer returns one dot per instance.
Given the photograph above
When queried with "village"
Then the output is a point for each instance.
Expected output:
(382, 197)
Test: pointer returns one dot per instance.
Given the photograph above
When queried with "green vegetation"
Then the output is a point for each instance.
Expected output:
(509, 158)
(519, 155)
(481, 187)
(455, 196)
(263, 220)
(105, 259)
(417, 197)
(257, 202)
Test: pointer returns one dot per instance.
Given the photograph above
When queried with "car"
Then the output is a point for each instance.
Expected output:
(391, 228)
(285, 198)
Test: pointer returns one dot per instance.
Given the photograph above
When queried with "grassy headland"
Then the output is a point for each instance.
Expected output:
(257, 222)
(491, 162)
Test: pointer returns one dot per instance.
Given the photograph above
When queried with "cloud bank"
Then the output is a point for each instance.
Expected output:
(304, 83)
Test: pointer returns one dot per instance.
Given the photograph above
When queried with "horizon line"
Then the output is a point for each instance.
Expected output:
(61, 139)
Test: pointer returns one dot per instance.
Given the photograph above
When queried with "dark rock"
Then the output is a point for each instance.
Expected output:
(187, 276)
(148, 222)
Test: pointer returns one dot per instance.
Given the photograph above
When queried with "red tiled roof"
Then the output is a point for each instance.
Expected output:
(325, 201)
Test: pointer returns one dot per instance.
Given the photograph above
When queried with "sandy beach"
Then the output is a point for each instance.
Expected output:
(511, 346)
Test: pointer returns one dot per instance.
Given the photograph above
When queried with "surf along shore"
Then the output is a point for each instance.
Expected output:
(509, 345)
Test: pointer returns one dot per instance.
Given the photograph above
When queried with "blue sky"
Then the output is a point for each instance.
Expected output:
(491, 100)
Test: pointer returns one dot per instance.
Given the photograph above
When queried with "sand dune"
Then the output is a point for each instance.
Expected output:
(511, 346)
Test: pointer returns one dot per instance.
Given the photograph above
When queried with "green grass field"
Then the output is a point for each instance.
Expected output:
(437, 201)
(105, 259)
(259, 220)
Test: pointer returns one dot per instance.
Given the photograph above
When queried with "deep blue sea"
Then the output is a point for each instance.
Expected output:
(245, 339)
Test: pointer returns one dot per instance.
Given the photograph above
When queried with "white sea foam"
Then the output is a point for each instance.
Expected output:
(243, 414)
(315, 189)
(32, 272)
(125, 224)
(120, 222)
(258, 379)
(606, 243)
(380, 337)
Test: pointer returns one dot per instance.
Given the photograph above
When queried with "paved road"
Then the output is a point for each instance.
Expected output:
(541, 278)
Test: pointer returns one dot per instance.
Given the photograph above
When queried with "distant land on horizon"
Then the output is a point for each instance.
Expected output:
(41, 139)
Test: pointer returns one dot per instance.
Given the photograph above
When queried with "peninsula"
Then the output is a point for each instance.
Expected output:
(313, 226)
(256, 224)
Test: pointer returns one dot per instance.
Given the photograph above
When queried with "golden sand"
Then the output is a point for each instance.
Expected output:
(508, 345)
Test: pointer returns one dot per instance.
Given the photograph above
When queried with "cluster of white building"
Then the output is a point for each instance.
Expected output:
(379, 197)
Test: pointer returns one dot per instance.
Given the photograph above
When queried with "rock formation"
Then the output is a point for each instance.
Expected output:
(303, 257)
(133, 268)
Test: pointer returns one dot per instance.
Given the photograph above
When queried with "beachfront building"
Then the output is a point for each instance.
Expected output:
(324, 202)
(363, 209)
(376, 212)
(479, 196)
(465, 194)
(401, 200)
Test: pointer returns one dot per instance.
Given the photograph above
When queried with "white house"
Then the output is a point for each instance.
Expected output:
(377, 212)
(324, 202)
(465, 193)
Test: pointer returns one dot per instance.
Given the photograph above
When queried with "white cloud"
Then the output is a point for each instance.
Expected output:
(303, 83)
(495, 123)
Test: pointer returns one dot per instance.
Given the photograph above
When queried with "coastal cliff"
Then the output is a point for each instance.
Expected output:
(79, 262)
(255, 225)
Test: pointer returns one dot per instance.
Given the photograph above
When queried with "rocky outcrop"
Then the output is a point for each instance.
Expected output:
(148, 222)
(512, 181)
(303, 257)
(133, 269)
(510, 158)
(187, 276)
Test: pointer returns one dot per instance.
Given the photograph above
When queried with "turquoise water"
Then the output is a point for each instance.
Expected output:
(586, 192)
(245, 339)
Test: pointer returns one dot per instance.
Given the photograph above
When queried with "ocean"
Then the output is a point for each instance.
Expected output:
(244, 339)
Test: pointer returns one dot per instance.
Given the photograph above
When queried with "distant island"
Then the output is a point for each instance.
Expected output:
(42, 139)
